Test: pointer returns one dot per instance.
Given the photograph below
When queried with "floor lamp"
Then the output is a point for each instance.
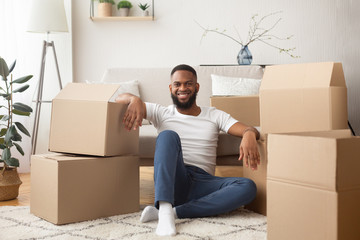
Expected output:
(46, 16)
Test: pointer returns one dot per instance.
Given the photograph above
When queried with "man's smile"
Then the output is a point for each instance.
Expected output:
(183, 95)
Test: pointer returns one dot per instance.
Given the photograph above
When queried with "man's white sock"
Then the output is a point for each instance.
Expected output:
(149, 213)
(166, 224)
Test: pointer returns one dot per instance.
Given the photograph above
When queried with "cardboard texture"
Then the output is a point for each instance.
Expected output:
(245, 109)
(259, 177)
(303, 97)
(83, 121)
(67, 188)
(313, 185)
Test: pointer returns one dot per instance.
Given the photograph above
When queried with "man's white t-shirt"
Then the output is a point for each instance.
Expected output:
(198, 134)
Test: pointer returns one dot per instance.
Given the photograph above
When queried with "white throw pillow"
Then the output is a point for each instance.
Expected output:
(129, 87)
(125, 87)
(233, 86)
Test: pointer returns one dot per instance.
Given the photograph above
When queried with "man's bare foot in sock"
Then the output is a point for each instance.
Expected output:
(150, 213)
(166, 224)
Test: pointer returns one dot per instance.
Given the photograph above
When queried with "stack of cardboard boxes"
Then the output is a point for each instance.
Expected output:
(95, 172)
(313, 185)
(307, 181)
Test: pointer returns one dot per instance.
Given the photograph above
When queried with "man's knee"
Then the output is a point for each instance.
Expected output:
(167, 143)
(247, 187)
(251, 187)
(168, 135)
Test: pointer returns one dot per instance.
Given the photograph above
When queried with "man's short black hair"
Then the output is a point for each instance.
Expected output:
(184, 67)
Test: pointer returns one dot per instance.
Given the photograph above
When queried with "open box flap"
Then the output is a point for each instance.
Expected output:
(88, 92)
(307, 75)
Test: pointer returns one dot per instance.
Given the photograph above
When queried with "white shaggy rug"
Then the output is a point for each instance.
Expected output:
(17, 223)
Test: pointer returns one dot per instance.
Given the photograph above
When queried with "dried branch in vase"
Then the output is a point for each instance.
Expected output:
(256, 32)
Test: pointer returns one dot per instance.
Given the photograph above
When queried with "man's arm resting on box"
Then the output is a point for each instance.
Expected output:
(136, 110)
(248, 146)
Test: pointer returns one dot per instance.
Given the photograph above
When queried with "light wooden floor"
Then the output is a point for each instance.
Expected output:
(146, 185)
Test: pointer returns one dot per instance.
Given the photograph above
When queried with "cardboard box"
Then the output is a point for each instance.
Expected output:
(300, 212)
(84, 121)
(259, 177)
(66, 188)
(245, 109)
(303, 97)
(313, 185)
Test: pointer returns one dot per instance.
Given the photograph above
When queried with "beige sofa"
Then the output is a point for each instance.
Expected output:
(153, 87)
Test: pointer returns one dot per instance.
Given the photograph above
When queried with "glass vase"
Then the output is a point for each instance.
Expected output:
(244, 57)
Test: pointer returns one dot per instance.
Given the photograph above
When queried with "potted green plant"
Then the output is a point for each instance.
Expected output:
(124, 8)
(9, 130)
(105, 8)
(143, 7)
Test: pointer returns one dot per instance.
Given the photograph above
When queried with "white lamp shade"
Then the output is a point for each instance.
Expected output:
(47, 16)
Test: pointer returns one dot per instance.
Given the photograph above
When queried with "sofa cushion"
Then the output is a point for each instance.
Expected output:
(154, 82)
(227, 144)
(147, 141)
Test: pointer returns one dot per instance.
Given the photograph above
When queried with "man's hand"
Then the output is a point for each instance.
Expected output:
(135, 113)
(248, 147)
(249, 150)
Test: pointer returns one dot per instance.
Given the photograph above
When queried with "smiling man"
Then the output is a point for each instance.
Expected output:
(185, 155)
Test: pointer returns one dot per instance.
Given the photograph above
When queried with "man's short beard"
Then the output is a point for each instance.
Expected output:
(185, 105)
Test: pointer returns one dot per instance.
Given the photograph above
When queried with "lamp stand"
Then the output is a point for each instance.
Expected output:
(40, 91)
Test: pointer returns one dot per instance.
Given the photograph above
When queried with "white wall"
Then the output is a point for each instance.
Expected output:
(324, 30)
(26, 48)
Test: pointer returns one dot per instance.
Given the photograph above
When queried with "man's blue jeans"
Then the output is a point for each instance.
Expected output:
(192, 191)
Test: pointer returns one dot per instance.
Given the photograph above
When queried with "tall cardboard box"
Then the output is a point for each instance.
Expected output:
(313, 186)
(259, 177)
(303, 97)
(84, 120)
(67, 188)
(245, 109)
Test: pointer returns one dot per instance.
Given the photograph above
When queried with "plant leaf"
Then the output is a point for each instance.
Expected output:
(3, 132)
(18, 112)
(21, 89)
(12, 66)
(18, 147)
(5, 95)
(4, 70)
(10, 134)
(10, 144)
(2, 146)
(21, 128)
(13, 162)
(6, 154)
(5, 118)
(17, 137)
(22, 79)
(22, 107)
(2, 141)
